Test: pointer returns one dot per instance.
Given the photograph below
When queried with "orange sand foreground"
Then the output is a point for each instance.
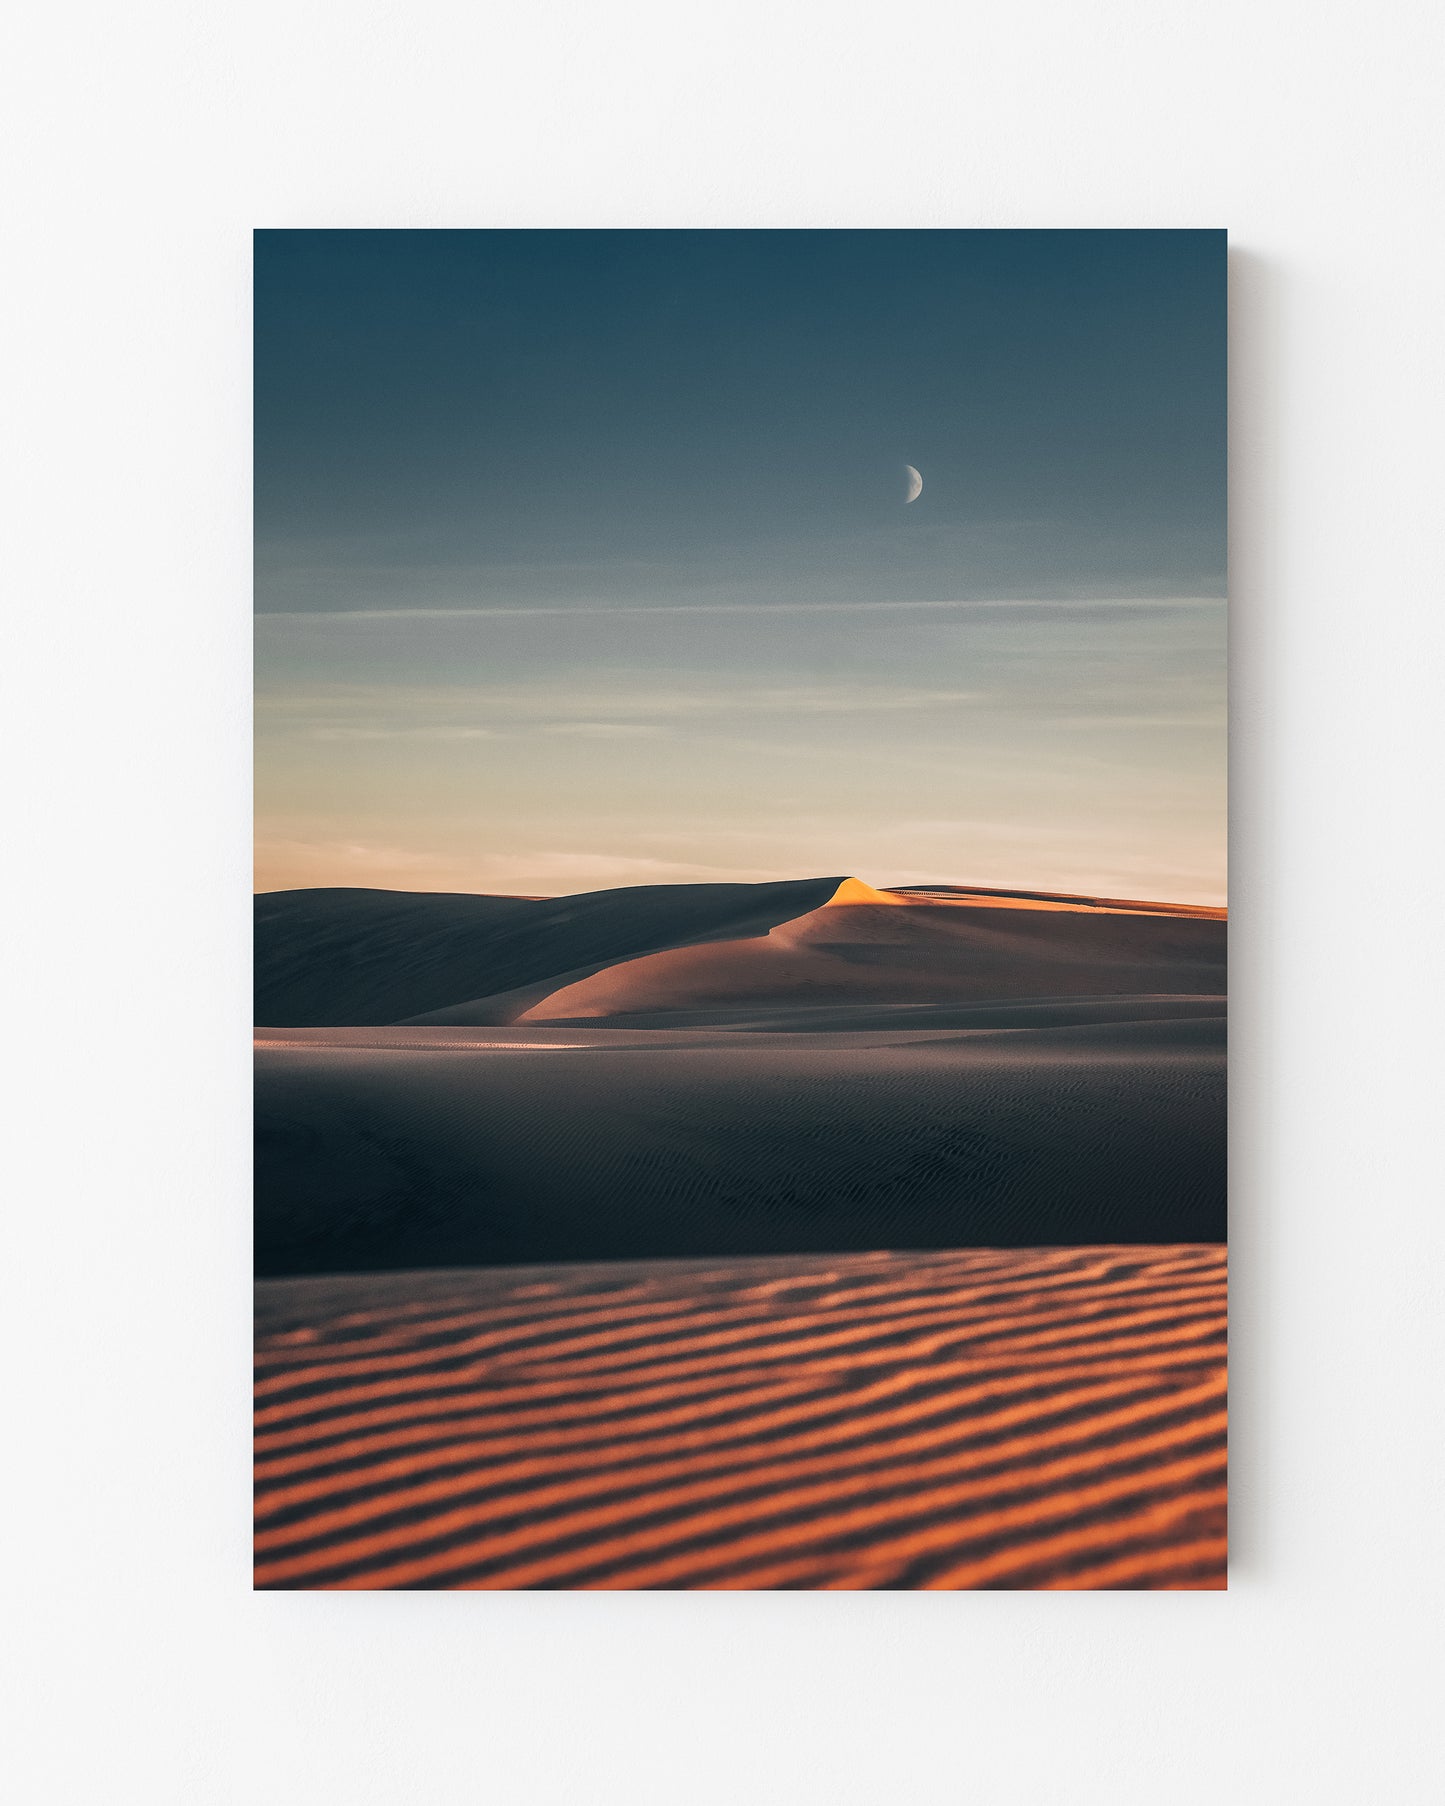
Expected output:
(1034, 1418)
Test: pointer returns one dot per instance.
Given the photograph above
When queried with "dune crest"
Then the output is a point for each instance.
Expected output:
(343, 958)
(854, 890)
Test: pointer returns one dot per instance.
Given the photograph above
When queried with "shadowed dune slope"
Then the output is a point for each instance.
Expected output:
(1044, 1419)
(440, 1147)
(356, 957)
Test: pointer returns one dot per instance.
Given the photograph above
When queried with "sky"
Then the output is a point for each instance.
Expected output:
(583, 559)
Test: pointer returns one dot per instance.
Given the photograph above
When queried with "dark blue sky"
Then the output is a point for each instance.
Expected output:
(478, 416)
(583, 558)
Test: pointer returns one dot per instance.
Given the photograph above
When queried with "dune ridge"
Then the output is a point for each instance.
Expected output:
(957, 896)
(349, 958)
(1050, 1417)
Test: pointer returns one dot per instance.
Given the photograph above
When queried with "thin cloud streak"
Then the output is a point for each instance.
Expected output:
(1091, 603)
(607, 730)
(402, 733)
(585, 711)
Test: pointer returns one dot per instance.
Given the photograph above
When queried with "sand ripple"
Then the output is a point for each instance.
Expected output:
(989, 1418)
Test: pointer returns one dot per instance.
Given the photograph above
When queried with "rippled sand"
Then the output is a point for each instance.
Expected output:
(1029, 1418)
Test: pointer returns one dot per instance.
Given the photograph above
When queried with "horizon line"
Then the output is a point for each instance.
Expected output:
(928, 891)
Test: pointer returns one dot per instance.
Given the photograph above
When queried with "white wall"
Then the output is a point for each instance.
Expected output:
(143, 144)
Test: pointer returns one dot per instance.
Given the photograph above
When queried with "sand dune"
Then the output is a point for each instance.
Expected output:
(1067, 900)
(772, 1078)
(958, 896)
(349, 958)
(858, 952)
(1047, 1418)
(741, 1069)
(439, 1147)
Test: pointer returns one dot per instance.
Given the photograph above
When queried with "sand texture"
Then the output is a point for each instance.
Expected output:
(568, 1214)
(1043, 1418)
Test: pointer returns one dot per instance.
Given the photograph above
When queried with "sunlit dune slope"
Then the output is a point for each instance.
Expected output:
(1046, 1418)
(910, 951)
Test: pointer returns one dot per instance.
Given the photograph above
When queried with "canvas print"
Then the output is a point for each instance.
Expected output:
(740, 910)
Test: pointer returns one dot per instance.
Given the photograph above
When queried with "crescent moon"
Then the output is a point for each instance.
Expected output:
(915, 483)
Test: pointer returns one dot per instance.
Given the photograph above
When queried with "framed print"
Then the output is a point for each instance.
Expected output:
(741, 909)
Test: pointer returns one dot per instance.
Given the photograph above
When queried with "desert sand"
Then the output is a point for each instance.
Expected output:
(857, 952)
(356, 958)
(568, 1220)
(1048, 1418)
(352, 957)
(420, 1147)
